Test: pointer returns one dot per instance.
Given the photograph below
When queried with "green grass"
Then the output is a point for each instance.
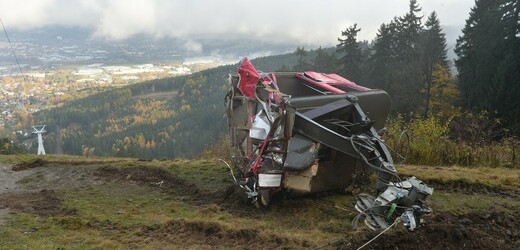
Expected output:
(29, 232)
(506, 178)
(129, 205)
(15, 159)
(99, 208)
(459, 204)
(126, 206)
(112, 214)
(209, 175)
(68, 160)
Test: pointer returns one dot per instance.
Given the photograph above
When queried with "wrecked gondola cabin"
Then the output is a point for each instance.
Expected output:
(308, 132)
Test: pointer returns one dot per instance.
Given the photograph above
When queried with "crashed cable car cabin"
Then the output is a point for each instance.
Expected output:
(309, 132)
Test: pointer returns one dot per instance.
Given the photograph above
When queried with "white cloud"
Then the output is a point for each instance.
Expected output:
(306, 22)
(121, 19)
(193, 46)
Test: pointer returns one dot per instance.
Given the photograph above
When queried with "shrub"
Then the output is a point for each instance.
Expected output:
(421, 141)
(8, 147)
(430, 141)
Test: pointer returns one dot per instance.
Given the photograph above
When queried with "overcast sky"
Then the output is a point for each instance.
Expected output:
(306, 22)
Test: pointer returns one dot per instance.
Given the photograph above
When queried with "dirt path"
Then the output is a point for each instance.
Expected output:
(35, 200)
(8, 179)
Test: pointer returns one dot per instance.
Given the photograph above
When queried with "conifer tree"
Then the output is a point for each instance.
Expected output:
(479, 51)
(351, 59)
(433, 55)
(302, 64)
(510, 65)
(409, 27)
(406, 82)
(382, 61)
(488, 63)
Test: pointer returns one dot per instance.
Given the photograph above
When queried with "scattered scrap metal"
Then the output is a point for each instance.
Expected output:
(308, 132)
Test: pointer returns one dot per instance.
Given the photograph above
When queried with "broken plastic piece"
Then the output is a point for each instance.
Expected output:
(408, 195)
(260, 127)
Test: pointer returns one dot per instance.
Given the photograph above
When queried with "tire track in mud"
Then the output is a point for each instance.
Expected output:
(178, 231)
(38, 162)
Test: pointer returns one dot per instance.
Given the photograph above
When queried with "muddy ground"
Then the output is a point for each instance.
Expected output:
(445, 230)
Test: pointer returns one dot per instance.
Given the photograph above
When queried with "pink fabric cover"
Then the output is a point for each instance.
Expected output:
(248, 78)
(327, 81)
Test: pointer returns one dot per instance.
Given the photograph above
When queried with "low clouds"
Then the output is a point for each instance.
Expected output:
(305, 22)
(192, 46)
(119, 19)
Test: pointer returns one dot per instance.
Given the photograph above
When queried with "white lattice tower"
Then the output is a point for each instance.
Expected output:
(39, 130)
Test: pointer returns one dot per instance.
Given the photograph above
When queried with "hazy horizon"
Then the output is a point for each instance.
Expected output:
(305, 23)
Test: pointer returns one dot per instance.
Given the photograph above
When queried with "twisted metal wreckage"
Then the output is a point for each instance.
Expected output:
(311, 132)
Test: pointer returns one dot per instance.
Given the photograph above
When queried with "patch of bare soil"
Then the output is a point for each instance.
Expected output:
(149, 176)
(212, 234)
(41, 163)
(44, 203)
(30, 164)
(445, 231)
(164, 180)
(8, 178)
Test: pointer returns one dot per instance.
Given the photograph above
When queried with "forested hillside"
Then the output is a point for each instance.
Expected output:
(166, 118)
(161, 118)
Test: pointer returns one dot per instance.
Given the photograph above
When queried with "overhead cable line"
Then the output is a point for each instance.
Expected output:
(12, 50)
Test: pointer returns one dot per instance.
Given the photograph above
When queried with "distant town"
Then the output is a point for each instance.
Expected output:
(43, 68)
(36, 88)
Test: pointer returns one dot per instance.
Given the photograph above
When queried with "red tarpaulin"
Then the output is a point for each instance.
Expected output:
(248, 78)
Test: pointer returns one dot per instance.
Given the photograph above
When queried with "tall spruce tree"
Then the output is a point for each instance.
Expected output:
(406, 83)
(405, 55)
(409, 27)
(433, 55)
(301, 63)
(510, 65)
(352, 58)
(479, 51)
(382, 61)
(488, 62)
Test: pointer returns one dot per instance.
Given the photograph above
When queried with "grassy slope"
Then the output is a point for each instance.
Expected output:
(128, 209)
